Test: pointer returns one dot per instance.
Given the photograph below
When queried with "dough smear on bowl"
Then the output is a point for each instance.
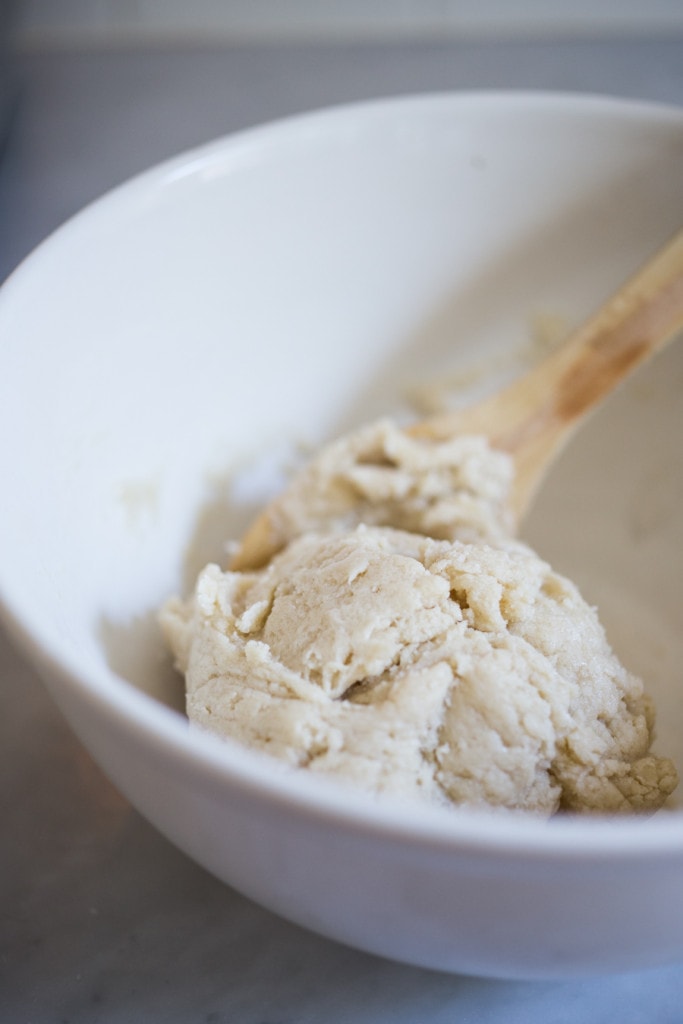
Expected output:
(402, 640)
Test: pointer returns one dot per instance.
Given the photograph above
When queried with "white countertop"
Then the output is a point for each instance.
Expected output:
(101, 919)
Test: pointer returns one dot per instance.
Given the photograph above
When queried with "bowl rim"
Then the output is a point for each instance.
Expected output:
(219, 762)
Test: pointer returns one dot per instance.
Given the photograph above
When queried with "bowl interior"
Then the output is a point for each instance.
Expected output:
(172, 350)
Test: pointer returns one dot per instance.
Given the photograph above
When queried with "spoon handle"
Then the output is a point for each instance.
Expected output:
(533, 418)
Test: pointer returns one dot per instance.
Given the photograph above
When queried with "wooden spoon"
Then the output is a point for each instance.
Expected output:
(533, 418)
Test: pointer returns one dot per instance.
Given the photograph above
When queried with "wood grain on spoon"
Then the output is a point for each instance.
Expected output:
(533, 417)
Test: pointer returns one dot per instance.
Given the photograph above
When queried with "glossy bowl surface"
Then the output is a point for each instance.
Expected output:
(166, 351)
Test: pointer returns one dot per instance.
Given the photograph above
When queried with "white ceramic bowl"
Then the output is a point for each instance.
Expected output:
(274, 288)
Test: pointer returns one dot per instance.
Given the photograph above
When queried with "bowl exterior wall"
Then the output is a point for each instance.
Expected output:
(489, 915)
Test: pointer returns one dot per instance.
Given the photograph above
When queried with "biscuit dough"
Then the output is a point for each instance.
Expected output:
(454, 671)
(381, 476)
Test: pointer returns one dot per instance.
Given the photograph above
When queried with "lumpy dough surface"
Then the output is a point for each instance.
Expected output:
(454, 671)
(381, 476)
(400, 638)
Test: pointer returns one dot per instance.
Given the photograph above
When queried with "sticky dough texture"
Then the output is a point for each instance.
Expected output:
(448, 671)
(381, 476)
